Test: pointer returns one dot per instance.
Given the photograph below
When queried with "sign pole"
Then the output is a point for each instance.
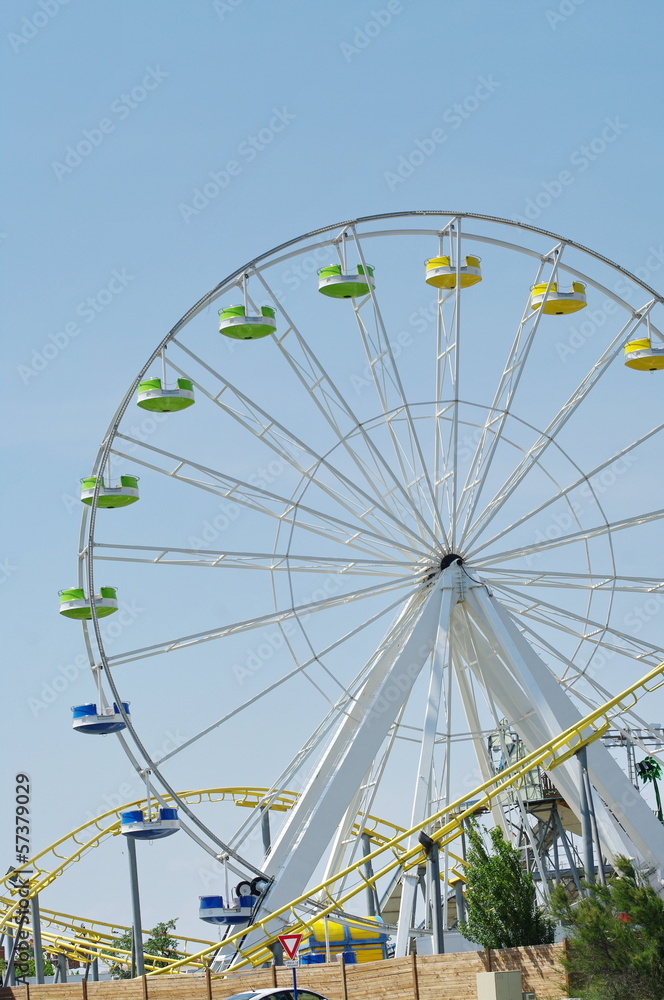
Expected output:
(291, 943)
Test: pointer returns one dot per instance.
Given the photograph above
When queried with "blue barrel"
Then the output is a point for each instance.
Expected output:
(350, 958)
(312, 959)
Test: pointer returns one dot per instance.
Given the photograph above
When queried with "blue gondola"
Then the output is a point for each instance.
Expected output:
(86, 719)
(212, 910)
(134, 824)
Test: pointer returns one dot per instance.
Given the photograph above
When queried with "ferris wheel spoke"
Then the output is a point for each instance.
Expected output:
(286, 445)
(598, 640)
(337, 706)
(583, 628)
(536, 451)
(273, 562)
(576, 536)
(593, 582)
(266, 502)
(505, 393)
(565, 491)
(332, 404)
(385, 362)
(406, 462)
(453, 485)
(573, 675)
(445, 372)
(248, 625)
(569, 667)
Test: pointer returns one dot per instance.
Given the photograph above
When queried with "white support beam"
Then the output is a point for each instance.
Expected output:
(539, 708)
(421, 800)
(352, 748)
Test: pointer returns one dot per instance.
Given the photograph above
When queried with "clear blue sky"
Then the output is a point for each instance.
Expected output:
(117, 112)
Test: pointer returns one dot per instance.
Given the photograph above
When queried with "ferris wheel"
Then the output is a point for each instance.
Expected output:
(419, 463)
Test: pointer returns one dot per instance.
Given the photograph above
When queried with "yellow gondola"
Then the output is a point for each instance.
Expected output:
(558, 303)
(441, 272)
(642, 356)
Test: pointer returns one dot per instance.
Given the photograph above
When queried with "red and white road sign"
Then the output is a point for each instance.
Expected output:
(290, 943)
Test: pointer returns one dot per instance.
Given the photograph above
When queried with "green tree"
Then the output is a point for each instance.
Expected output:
(29, 954)
(616, 937)
(160, 942)
(650, 769)
(500, 896)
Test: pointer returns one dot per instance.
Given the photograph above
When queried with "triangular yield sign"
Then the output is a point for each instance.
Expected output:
(290, 943)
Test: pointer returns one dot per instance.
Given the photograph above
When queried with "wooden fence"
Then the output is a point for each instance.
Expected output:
(425, 977)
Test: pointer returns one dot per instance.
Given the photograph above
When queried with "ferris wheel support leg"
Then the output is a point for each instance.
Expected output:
(461, 663)
(531, 697)
(353, 747)
(421, 807)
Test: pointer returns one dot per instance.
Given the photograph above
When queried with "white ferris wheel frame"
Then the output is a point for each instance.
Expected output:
(485, 637)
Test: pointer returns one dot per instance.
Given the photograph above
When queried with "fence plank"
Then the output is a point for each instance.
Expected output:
(422, 977)
(416, 985)
(344, 984)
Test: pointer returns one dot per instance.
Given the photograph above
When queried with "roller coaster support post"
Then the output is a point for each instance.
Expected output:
(9, 951)
(137, 933)
(372, 895)
(37, 939)
(265, 829)
(460, 901)
(586, 817)
(432, 852)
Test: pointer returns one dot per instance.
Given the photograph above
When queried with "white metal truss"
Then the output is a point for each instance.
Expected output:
(379, 492)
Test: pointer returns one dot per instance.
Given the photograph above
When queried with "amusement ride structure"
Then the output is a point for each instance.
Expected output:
(440, 517)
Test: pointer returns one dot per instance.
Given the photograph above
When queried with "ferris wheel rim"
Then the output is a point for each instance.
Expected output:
(106, 447)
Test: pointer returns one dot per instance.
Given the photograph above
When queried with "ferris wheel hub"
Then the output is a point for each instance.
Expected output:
(451, 557)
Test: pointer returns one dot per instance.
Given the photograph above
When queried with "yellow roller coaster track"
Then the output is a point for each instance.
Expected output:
(94, 939)
(451, 818)
(88, 939)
